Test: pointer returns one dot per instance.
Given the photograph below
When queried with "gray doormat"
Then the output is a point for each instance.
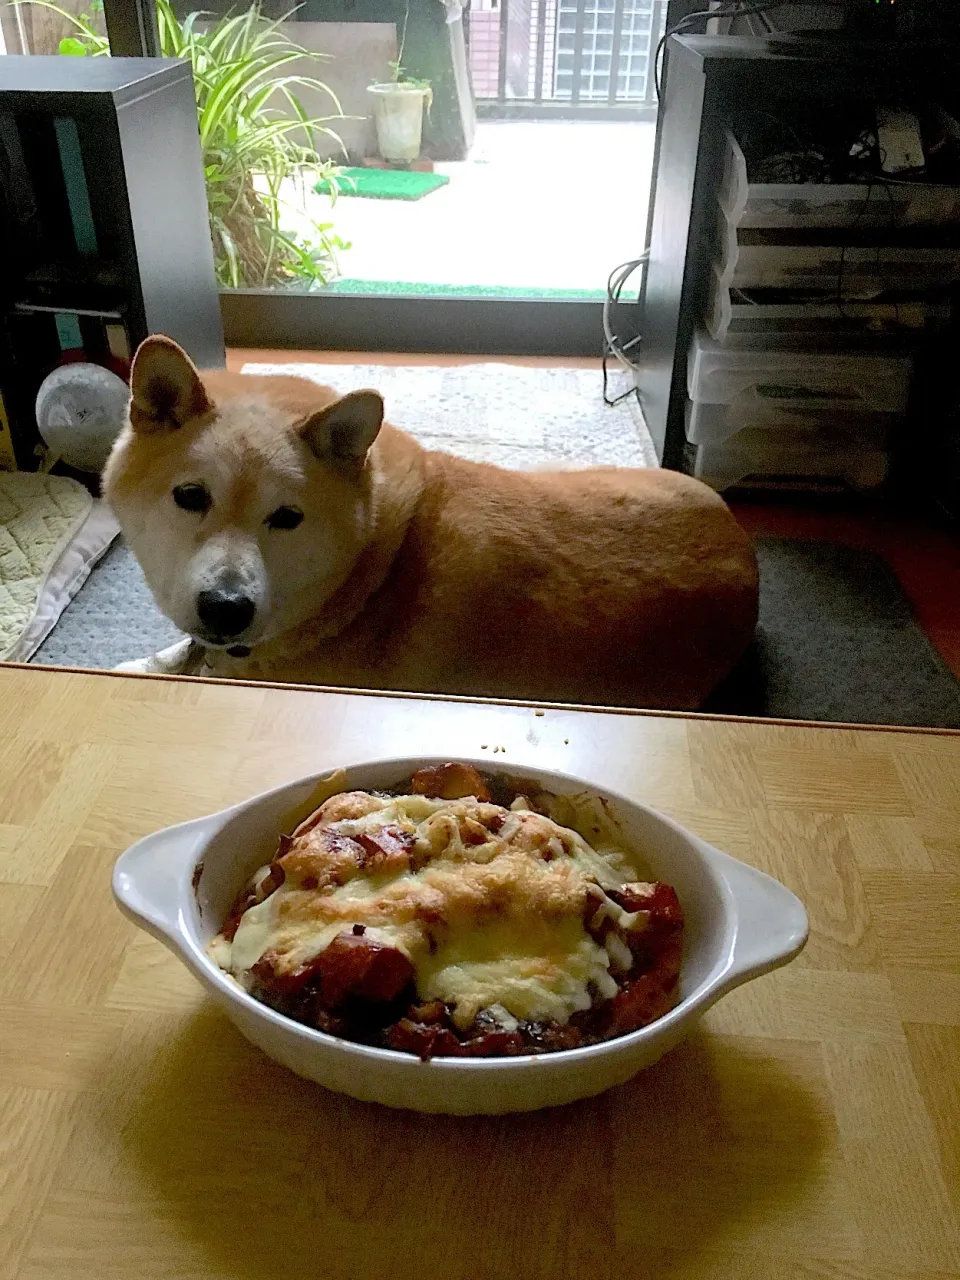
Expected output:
(837, 638)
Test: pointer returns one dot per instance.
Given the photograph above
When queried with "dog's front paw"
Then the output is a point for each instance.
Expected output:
(139, 666)
(178, 660)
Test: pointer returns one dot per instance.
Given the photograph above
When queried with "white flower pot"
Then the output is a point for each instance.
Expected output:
(398, 110)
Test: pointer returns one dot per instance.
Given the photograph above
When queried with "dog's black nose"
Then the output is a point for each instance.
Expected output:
(225, 613)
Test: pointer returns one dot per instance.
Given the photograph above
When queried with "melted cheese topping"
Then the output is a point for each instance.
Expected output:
(488, 904)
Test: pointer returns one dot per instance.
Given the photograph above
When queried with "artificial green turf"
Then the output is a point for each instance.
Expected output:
(400, 288)
(385, 184)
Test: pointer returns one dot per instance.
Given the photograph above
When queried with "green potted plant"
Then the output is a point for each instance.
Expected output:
(398, 108)
(257, 140)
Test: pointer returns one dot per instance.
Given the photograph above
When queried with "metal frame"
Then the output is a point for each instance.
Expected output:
(541, 50)
(467, 326)
(518, 109)
(543, 103)
(132, 28)
(578, 29)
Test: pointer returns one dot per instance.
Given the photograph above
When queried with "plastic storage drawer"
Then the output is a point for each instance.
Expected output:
(861, 381)
(810, 204)
(821, 323)
(834, 457)
(757, 260)
(713, 424)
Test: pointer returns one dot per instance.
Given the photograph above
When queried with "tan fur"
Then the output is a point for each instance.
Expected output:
(630, 587)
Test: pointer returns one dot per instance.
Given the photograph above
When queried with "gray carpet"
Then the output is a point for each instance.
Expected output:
(837, 639)
(112, 618)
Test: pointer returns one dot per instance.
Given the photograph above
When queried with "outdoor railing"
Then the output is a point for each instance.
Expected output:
(565, 59)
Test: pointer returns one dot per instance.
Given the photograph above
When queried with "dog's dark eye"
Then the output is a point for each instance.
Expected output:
(193, 497)
(284, 518)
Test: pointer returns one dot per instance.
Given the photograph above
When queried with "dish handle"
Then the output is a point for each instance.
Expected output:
(772, 924)
(149, 878)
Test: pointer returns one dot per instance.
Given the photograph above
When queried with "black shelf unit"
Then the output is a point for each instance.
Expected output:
(103, 218)
(707, 81)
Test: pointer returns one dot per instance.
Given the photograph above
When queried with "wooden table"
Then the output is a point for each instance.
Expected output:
(811, 1130)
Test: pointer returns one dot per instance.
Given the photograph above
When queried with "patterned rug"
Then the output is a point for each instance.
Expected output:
(511, 415)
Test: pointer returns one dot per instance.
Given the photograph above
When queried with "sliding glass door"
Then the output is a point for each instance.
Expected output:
(404, 174)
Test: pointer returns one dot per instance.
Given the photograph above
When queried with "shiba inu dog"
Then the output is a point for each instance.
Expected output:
(294, 536)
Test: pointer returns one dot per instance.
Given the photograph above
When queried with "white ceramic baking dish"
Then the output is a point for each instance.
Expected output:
(179, 884)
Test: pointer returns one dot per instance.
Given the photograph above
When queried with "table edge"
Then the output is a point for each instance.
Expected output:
(406, 695)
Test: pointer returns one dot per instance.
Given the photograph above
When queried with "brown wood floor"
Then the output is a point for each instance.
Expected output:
(925, 559)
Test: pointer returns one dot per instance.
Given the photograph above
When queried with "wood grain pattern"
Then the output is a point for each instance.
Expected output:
(808, 1130)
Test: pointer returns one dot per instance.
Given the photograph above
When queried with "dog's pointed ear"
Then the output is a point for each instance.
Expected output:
(165, 388)
(345, 430)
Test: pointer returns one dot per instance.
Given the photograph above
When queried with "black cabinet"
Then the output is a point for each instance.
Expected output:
(707, 81)
(103, 219)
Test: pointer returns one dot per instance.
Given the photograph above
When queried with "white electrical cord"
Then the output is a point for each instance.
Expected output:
(617, 279)
(613, 345)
